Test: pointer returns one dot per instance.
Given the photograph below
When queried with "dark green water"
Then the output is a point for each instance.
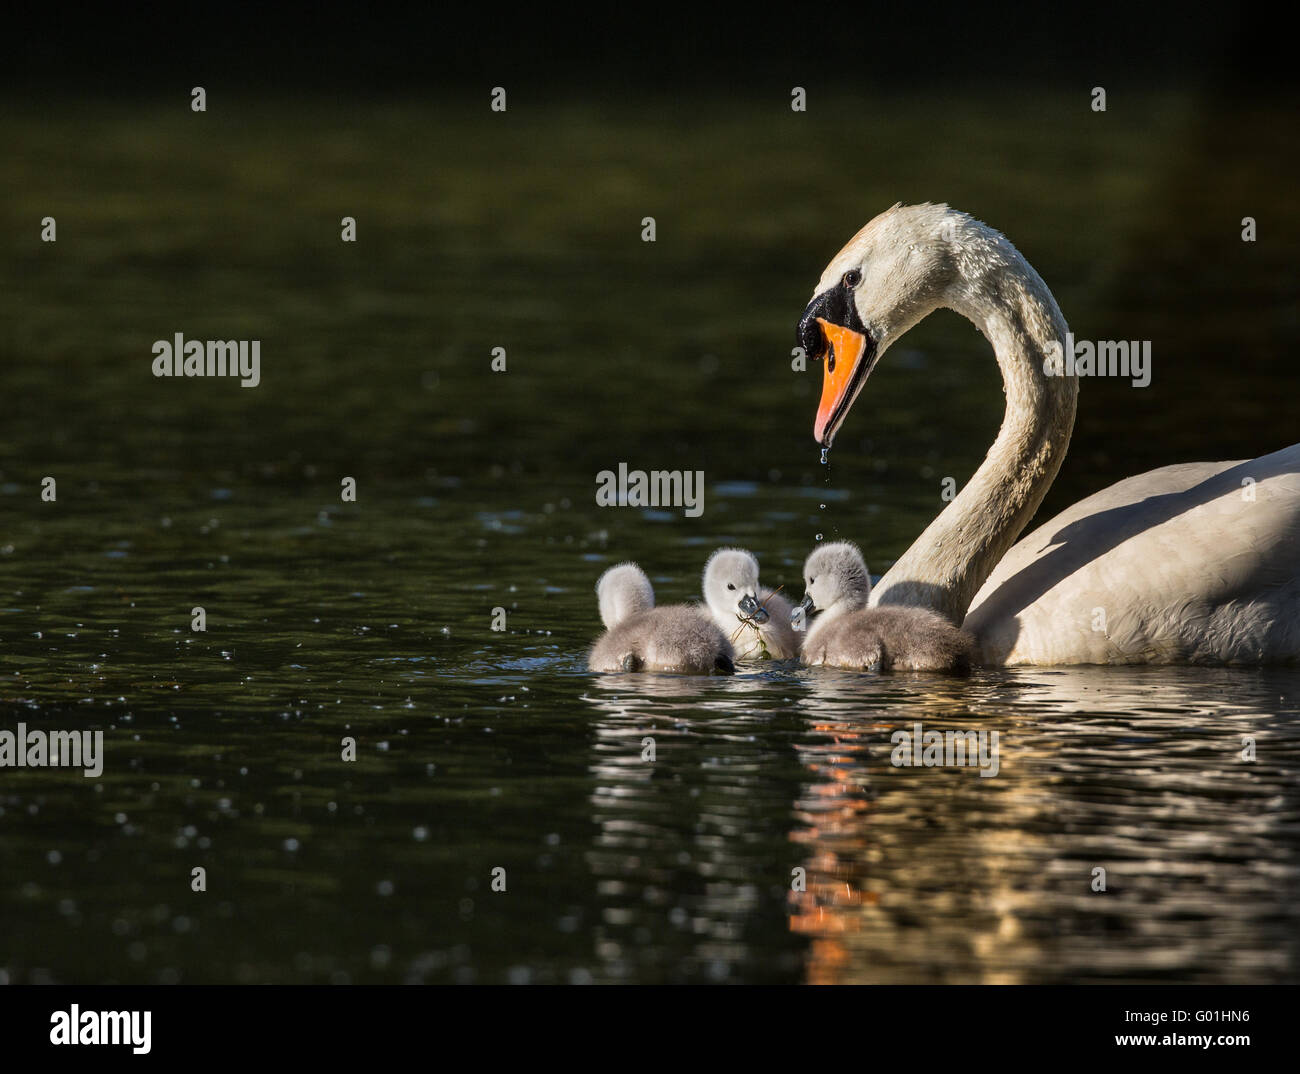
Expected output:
(481, 749)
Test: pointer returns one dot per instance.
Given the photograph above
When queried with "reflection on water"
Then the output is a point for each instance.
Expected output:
(920, 875)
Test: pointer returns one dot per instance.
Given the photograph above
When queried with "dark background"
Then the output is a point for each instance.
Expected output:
(609, 48)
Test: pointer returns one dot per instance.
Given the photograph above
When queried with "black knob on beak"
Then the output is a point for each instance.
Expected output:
(809, 334)
(835, 306)
(750, 607)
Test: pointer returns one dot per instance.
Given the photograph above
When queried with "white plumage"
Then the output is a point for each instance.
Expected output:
(755, 619)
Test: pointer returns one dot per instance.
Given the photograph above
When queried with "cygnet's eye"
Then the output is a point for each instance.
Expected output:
(852, 278)
(730, 586)
(811, 580)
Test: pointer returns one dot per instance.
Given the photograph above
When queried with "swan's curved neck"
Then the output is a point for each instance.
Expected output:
(1001, 294)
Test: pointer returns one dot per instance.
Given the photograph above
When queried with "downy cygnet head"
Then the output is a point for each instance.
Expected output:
(731, 585)
(623, 591)
(835, 577)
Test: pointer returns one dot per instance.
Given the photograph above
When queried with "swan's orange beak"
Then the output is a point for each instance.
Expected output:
(844, 354)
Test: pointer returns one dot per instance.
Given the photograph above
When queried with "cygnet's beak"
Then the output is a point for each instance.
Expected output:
(750, 607)
(802, 609)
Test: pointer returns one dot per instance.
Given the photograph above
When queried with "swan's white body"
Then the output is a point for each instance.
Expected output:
(1198, 563)
(1185, 564)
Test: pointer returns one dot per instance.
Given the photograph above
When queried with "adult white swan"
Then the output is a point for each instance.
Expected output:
(1196, 563)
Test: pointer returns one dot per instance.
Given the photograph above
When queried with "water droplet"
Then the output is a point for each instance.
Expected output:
(819, 536)
(825, 451)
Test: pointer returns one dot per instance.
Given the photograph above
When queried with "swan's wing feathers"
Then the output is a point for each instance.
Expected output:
(1189, 563)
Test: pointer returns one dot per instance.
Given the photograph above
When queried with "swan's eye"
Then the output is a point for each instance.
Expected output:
(852, 278)
(730, 586)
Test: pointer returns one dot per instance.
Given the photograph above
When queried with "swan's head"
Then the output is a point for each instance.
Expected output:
(623, 591)
(835, 576)
(731, 585)
(893, 272)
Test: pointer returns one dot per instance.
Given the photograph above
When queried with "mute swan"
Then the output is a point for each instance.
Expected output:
(1196, 563)
(755, 618)
(641, 637)
(848, 634)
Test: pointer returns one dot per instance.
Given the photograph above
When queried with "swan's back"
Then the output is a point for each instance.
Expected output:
(1196, 563)
(678, 637)
(890, 638)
